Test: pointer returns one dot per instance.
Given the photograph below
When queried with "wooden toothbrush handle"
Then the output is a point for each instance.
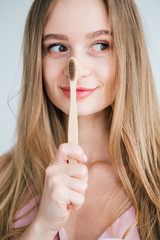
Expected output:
(73, 121)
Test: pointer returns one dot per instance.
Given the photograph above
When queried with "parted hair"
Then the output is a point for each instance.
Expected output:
(134, 118)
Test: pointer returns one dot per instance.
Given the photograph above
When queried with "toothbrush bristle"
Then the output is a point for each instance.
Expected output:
(72, 68)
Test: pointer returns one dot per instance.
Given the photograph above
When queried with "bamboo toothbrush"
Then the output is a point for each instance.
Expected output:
(73, 121)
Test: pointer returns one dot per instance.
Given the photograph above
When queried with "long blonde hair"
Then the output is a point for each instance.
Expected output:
(134, 123)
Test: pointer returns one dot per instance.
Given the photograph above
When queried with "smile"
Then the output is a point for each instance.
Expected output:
(80, 92)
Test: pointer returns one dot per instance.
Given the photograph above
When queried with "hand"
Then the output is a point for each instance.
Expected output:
(64, 187)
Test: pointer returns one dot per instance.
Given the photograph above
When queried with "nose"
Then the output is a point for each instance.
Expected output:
(83, 68)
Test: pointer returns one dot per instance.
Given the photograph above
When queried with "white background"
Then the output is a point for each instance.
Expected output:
(12, 19)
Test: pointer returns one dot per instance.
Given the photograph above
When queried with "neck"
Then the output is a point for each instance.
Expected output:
(93, 136)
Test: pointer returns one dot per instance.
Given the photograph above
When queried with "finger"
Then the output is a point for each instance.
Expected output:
(76, 199)
(76, 185)
(67, 150)
(77, 171)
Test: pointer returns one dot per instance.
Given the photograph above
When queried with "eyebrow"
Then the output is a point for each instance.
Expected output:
(88, 36)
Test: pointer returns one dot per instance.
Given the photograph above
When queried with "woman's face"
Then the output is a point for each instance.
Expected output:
(80, 29)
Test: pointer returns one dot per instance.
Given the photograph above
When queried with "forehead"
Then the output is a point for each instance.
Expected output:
(78, 16)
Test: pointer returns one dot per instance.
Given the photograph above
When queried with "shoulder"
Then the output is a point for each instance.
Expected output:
(3, 157)
(26, 215)
(6, 156)
(122, 224)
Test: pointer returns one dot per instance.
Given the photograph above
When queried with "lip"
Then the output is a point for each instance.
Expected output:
(81, 92)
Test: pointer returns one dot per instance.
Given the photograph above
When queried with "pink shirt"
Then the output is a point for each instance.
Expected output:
(116, 230)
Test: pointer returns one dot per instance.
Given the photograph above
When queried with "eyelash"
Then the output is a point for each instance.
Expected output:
(107, 44)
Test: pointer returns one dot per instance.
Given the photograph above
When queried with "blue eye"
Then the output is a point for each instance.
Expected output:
(57, 48)
(101, 46)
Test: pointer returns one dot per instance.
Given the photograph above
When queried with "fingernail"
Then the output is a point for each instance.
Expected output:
(85, 158)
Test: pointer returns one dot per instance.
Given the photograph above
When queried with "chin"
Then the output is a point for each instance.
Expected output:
(86, 112)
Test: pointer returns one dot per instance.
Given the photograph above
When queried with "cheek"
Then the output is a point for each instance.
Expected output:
(108, 81)
(50, 72)
(107, 73)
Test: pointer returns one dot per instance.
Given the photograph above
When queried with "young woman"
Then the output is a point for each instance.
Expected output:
(114, 190)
